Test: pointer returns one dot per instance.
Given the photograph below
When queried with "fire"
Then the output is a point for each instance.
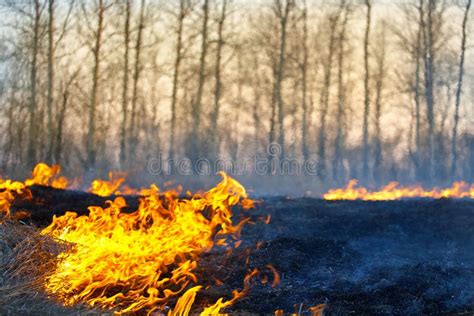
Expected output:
(47, 176)
(143, 260)
(42, 175)
(393, 191)
(317, 310)
(8, 190)
(107, 187)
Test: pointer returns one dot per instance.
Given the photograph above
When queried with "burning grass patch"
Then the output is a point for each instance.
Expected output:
(27, 258)
(139, 261)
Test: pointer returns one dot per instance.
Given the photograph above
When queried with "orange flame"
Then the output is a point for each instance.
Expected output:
(48, 176)
(276, 276)
(42, 175)
(317, 310)
(393, 191)
(143, 260)
(106, 187)
(8, 190)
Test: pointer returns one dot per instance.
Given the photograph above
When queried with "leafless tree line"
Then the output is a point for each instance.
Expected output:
(371, 90)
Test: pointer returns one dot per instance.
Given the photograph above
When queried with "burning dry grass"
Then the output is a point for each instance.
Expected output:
(146, 259)
(394, 191)
(26, 259)
(143, 261)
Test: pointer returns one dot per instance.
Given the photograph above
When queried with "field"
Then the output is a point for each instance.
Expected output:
(407, 257)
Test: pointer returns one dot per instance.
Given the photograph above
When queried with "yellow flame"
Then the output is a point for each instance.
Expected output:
(48, 176)
(8, 190)
(42, 175)
(142, 260)
(107, 187)
(393, 191)
(317, 310)
(185, 302)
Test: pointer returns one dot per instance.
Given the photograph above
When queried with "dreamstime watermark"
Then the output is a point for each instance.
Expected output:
(270, 164)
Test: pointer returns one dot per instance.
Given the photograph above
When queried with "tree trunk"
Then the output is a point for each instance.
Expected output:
(197, 104)
(454, 151)
(218, 87)
(321, 169)
(174, 95)
(417, 97)
(273, 120)
(235, 145)
(429, 94)
(284, 16)
(60, 126)
(304, 87)
(365, 132)
(50, 97)
(32, 128)
(91, 137)
(123, 127)
(257, 95)
(378, 105)
(339, 146)
(133, 139)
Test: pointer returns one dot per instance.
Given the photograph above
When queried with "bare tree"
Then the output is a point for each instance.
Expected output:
(428, 58)
(61, 116)
(365, 131)
(339, 143)
(91, 137)
(304, 85)
(33, 124)
(454, 151)
(234, 147)
(133, 129)
(184, 8)
(197, 104)
(123, 128)
(260, 85)
(282, 11)
(324, 100)
(50, 97)
(379, 85)
(218, 80)
(410, 40)
(257, 98)
(417, 57)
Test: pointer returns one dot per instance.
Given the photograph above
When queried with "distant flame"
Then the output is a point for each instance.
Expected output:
(107, 187)
(47, 176)
(393, 191)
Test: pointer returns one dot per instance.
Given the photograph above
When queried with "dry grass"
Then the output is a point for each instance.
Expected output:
(26, 259)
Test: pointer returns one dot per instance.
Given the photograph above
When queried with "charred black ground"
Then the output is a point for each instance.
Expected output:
(393, 257)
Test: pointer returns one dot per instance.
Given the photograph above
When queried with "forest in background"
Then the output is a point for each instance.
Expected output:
(373, 90)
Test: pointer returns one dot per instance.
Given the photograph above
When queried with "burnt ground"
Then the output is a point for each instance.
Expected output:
(406, 257)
